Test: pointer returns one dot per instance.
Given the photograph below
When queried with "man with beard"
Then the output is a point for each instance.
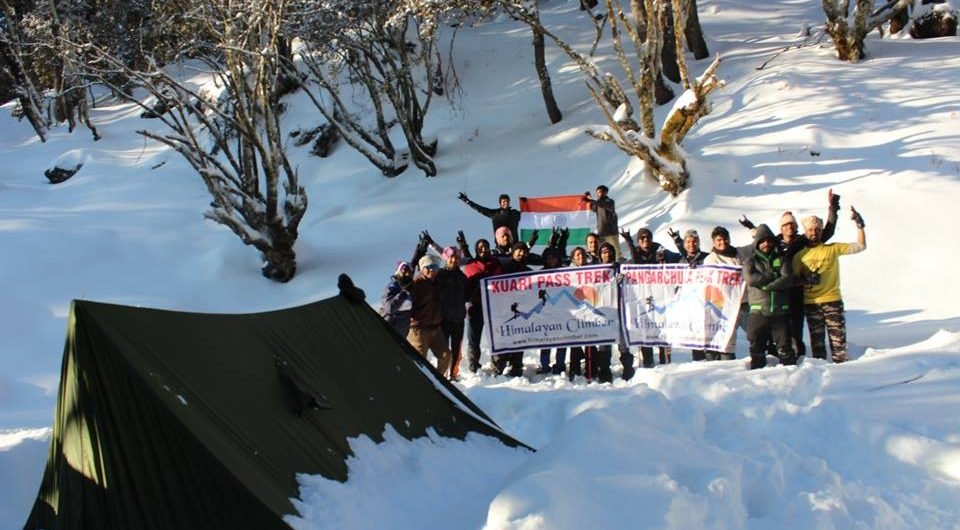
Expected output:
(819, 266)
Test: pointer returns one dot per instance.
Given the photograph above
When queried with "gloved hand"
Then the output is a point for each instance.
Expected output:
(461, 239)
(673, 234)
(857, 218)
(625, 233)
(747, 223)
(462, 196)
(834, 199)
(533, 238)
(564, 236)
(554, 237)
(811, 278)
(426, 237)
(661, 255)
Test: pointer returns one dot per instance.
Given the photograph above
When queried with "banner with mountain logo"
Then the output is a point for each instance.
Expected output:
(557, 307)
(680, 306)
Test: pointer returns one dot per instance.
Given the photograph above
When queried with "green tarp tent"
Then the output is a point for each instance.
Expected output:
(171, 420)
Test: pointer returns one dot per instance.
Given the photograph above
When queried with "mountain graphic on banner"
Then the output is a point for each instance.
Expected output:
(713, 301)
(560, 296)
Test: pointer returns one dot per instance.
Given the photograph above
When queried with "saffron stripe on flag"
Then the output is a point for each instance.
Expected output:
(556, 203)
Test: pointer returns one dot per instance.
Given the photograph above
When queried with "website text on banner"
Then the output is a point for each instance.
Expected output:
(543, 214)
(559, 307)
(678, 306)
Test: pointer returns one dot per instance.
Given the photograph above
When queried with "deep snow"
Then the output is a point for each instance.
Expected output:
(869, 444)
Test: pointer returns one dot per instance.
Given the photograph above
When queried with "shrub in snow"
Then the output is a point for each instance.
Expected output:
(59, 174)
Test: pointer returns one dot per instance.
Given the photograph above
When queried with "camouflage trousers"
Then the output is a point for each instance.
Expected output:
(827, 320)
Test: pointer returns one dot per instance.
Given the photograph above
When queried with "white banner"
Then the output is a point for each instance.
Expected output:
(680, 306)
(557, 307)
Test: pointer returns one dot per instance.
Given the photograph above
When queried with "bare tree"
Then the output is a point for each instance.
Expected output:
(848, 30)
(13, 67)
(70, 102)
(382, 58)
(231, 135)
(543, 74)
(663, 159)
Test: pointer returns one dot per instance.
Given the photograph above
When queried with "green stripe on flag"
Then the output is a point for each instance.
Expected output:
(578, 237)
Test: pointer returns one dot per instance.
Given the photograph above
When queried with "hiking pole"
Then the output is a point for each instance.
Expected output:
(589, 352)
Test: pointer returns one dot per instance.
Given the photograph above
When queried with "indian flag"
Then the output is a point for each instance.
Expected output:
(561, 211)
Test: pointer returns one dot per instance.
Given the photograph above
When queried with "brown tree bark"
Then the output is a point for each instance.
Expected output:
(543, 75)
(694, 33)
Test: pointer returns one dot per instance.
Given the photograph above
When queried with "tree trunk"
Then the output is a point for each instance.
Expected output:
(280, 262)
(668, 54)
(30, 99)
(694, 33)
(546, 88)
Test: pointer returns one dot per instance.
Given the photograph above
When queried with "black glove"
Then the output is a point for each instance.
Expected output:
(673, 234)
(811, 278)
(747, 223)
(834, 200)
(461, 239)
(564, 235)
(533, 238)
(625, 234)
(554, 237)
(462, 196)
(426, 237)
(857, 218)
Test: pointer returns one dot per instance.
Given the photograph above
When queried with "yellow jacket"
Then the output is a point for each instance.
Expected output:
(823, 260)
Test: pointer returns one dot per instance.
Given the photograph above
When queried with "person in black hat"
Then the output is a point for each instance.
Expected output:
(502, 216)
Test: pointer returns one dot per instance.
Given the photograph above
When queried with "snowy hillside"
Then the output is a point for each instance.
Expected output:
(873, 443)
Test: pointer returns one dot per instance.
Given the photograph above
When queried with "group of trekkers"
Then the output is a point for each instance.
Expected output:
(788, 277)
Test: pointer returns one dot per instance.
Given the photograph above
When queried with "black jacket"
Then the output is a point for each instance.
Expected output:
(453, 285)
(508, 217)
(640, 257)
(768, 278)
(607, 223)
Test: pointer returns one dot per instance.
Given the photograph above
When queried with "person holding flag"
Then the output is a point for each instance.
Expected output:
(502, 216)
(607, 222)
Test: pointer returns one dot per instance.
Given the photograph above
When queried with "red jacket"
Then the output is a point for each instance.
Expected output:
(477, 270)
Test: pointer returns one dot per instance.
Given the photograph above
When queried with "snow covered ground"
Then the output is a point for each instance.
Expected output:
(873, 443)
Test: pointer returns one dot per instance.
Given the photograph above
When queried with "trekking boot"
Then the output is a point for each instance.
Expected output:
(559, 368)
(544, 370)
(628, 373)
(604, 375)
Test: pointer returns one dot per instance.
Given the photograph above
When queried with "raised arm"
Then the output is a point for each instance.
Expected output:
(634, 252)
(831, 225)
(858, 219)
(489, 212)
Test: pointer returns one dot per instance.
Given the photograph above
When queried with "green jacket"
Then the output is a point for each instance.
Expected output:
(768, 278)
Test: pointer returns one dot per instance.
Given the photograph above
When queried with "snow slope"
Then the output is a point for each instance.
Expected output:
(874, 443)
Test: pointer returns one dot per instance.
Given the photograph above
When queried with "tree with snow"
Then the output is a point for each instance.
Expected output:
(381, 57)
(848, 28)
(229, 130)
